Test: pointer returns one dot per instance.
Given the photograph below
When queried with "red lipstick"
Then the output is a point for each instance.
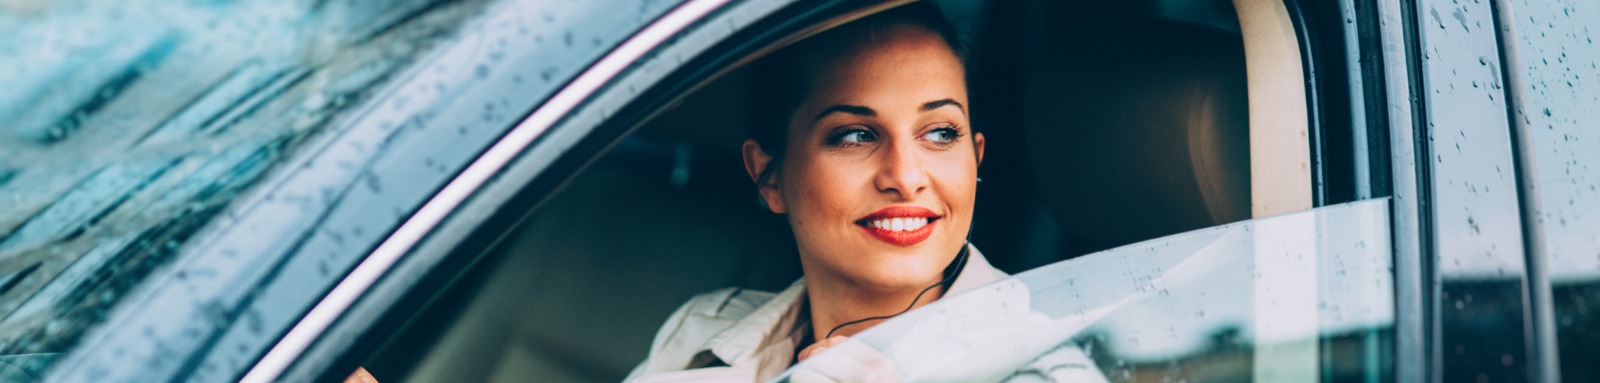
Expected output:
(900, 225)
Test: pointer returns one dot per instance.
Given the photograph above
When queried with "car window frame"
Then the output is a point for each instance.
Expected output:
(713, 45)
(1402, 122)
(1391, 100)
(1368, 142)
(1419, 234)
(1368, 122)
(1544, 244)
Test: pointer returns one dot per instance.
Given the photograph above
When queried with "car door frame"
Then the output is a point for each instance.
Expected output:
(1399, 90)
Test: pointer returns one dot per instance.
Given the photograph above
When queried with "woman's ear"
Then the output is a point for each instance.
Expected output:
(755, 163)
(977, 145)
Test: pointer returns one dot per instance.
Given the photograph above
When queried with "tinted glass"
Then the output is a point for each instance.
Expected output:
(126, 127)
(1559, 92)
(1299, 297)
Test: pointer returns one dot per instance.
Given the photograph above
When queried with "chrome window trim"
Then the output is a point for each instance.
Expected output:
(1544, 353)
(464, 185)
(1414, 284)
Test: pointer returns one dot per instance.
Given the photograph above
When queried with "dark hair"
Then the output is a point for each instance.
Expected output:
(783, 78)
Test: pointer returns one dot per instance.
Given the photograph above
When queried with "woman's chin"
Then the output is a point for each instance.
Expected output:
(897, 276)
(884, 267)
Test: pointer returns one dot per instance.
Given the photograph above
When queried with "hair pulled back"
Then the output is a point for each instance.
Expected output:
(784, 78)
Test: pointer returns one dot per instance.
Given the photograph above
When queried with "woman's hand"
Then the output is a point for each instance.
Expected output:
(360, 376)
(815, 348)
(852, 362)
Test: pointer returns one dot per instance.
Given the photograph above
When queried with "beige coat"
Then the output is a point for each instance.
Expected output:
(735, 335)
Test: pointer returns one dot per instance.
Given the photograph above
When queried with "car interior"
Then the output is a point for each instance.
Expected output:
(1108, 123)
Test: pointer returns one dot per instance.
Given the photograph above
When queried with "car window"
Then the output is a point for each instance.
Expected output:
(692, 224)
(127, 128)
(1305, 296)
(1558, 91)
(1109, 123)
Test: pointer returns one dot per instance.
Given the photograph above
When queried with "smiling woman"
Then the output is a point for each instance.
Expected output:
(864, 144)
(880, 144)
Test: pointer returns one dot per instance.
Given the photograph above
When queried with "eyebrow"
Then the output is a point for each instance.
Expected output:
(868, 112)
(931, 105)
(849, 109)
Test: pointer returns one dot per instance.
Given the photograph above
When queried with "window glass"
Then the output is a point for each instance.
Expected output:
(126, 127)
(1557, 53)
(1305, 296)
(1149, 104)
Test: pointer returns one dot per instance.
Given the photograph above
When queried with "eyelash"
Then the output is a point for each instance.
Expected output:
(955, 135)
(837, 138)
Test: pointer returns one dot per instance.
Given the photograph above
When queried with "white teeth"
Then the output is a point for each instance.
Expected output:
(915, 223)
(899, 224)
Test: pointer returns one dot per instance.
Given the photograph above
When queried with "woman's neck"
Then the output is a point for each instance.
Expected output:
(835, 302)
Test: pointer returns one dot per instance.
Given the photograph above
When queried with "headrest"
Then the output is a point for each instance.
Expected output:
(1138, 130)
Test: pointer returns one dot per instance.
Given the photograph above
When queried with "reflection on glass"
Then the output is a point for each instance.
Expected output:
(126, 127)
(1299, 297)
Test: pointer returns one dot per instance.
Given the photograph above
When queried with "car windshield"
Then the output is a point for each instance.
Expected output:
(127, 127)
(1299, 297)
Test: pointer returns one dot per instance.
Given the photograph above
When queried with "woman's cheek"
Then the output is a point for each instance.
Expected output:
(960, 173)
(821, 201)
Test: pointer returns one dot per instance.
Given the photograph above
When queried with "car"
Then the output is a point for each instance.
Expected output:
(1274, 190)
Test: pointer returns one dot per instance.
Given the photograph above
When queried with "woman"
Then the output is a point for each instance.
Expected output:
(870, 155)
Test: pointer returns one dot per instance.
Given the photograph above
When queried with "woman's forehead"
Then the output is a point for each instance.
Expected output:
(858, 49)
(902, 68)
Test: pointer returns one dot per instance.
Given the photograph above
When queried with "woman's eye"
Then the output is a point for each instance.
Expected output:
(944, 135)
(855, 137)
(851, 137)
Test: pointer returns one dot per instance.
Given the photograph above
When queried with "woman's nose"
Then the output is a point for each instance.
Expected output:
(900, 171)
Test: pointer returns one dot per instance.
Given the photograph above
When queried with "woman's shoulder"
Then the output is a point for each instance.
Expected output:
(707, 314)
(730, 303)
(696, 322)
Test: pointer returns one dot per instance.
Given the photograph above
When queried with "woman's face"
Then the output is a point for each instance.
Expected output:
(881, 168)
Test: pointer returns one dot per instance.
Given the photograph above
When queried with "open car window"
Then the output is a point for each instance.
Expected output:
(1305, 296)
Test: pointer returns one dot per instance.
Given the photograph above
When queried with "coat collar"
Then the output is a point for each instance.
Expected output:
(774, 324)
